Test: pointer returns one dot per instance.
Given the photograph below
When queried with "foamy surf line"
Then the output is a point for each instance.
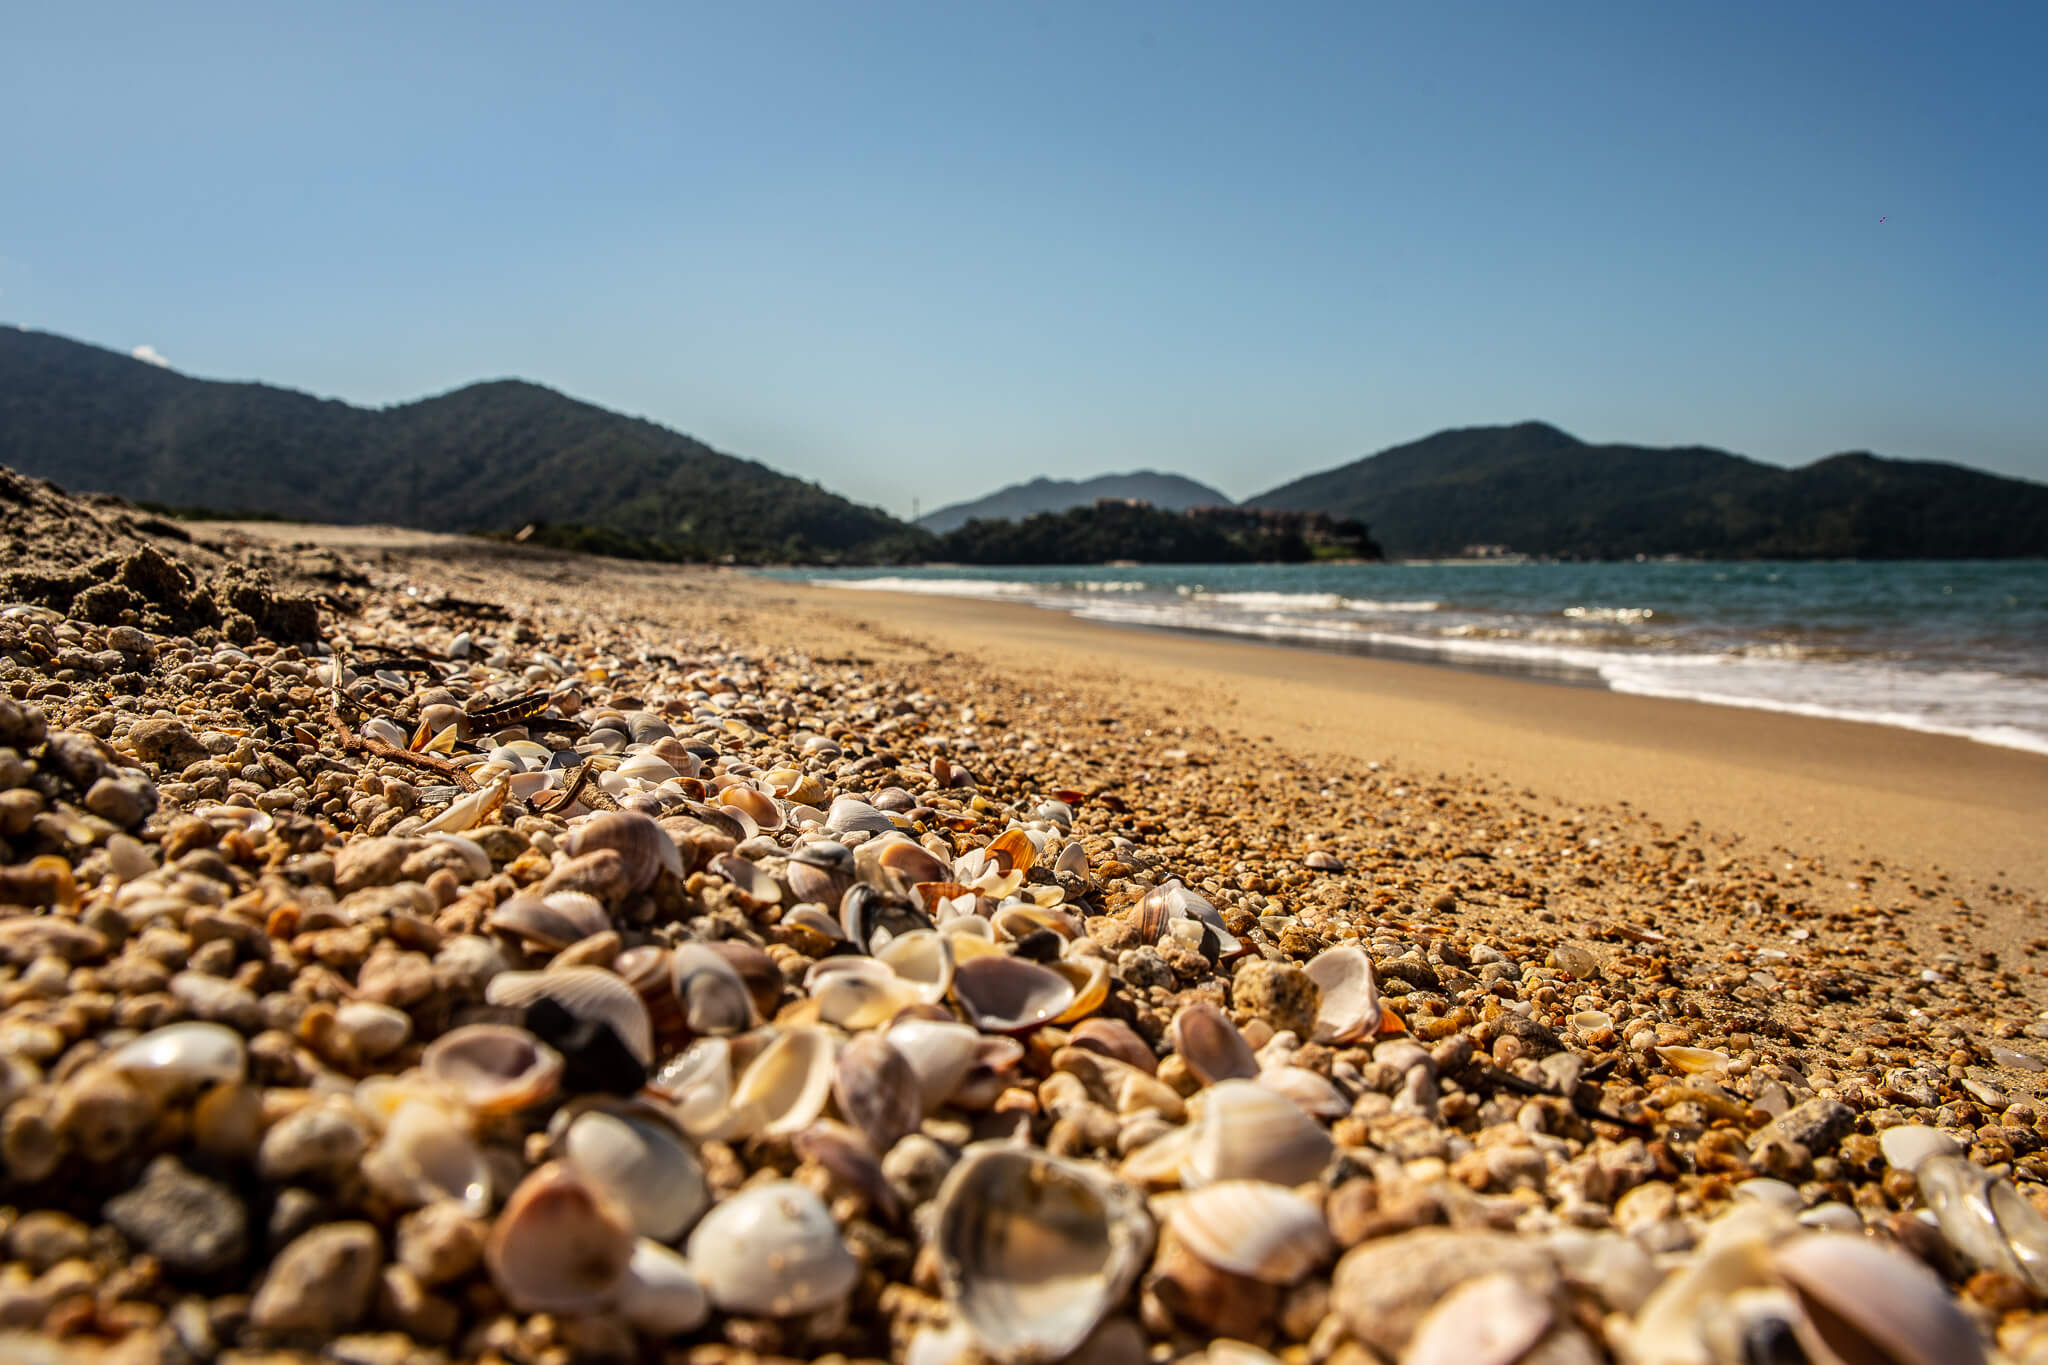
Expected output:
(1979, 707)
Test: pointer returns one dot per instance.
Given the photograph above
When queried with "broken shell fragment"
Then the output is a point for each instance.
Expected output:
(772, 1249)
(1349, 1005)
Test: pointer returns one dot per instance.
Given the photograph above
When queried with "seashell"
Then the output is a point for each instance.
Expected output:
(1491, 1320)
(714, 997)
(814, 919)
(645, 767)
(526, 786)
(1182, 903)
(1089, 976)
(756, 806)
(646, 969)
(1246, 1132)
(1575, 961)
(772, 1250)
(858, 992)
(1592, 1026)
(896, 863)
(1157, 1164)
(723, 819)
(1349, 1006)
(591, 994)
(783, 1088)
(1072, 862)
(1012, 851)
(1211, 1045)
(941, 1054)
(1310, 1090)
(1003, 994)
(1033, 1250)
(426, 1155)
(1015, 921)
(995, 1057)
(1322, 860)
(643, 844)
(493, 1068)
(642, 1162)
(697, 1085)
(848, 815)
(554, 921)
(756, 969)
(870, 918)
(660, 1295)
(1985, 1219)
(1248, 1227)
(561, 1245)
(809, 882)
(673, 752)
(182, 1057)
(1692, 1061)
(473, 855)
(877, 1090)
(1863, 1301)
(1906, 1145)
(847, 1155)
(924, 959)
(469, 811)
(1114, 1038)
(384, 731)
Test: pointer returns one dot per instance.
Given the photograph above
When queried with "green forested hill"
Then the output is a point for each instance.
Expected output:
(1541, 491)
(487, 457)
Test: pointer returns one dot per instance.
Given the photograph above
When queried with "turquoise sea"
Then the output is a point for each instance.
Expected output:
(1951, 647)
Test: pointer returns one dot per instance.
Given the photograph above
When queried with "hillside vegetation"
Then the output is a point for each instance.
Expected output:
(1169, 491)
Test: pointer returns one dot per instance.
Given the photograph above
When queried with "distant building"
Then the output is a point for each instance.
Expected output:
(1123, 502)
(1488, 552)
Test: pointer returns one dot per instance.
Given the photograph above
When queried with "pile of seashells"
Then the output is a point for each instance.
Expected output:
(635, 1000)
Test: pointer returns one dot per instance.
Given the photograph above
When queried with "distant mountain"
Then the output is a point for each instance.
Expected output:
(1540, 491)
(1019, 500)
(491, 456)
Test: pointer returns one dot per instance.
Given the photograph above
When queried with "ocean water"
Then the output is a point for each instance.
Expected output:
(1954, 648)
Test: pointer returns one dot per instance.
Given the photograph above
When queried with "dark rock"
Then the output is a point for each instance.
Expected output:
(191, 1224)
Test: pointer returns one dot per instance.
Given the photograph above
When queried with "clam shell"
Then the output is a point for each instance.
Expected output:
(877, 1090)
(1863, 1301)
(896, 863)
(1072, 862)
(1246, 1132)
(1310, 1090)
(924, 959)
(660, 1295)
(870, 917)
(772, 1249)
(493, 1068)
(178, 1056)
(427, 1155)
(859, 993)
(755, 805)
(1211, 1045)
(1089, 976)
(1033, 1250)
(783, 1088)
(642, 1162)
(643, 844)
(697, 1085)
(1251, 1228)
(808, 882)
(554, 921)
(1491, 1320)
(1114, 1038)
(1015, 921)
(1985, 1219)
(940, 1055)
(758, 970)
(591, 994)
(560, 1246)
(1349, 1008)
(747, 878)
(713, 997)
(848, 815)
(1003, 994)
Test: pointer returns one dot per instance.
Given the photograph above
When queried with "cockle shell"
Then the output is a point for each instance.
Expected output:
(774, 1250)
(493, 1068)
(554, 921)
(1033, 1250)
(757, 970)
(1115, 1038)
(1211, 1045)
(1349, 1007)
(1489, 1320)
(641, 1161)
(561, 1245)
(1244, 1131)
(714, 999)
(1863, 1301)
(643, 844)
(1072, 862)
(783, 1088)
(1003, 994)
(1251, 1228)
(877, 1090)
(922, 958)
(591, 994)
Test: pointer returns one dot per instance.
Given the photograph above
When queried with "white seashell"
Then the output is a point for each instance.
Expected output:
(427, 1155)
(1072, 862)
(940, 1053)
(1859, 1296)
(784, 1088)
(1246, 1132)
(178, 1056)
(646, 768)
(560, 1246)
(388, 732)
(773, 1250)
(1033, 1250)
(1985, 1219)
(493, 1068)
(643, 1163)
(1349, 1008)
(697, 1085)
(747, 877)
(589, 993)
(1313, 1092)
(848, 815)
(1491, 1320)
(1251, 1228)
(863, 996)
(469, 811)
(1832, 1217)
(1908, 1144)
(660, 1294)
(922, 957)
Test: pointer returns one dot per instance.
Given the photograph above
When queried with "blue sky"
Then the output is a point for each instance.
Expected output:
(916, 251)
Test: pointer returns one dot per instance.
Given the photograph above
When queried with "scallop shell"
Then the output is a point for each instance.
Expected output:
(1863, 1301)
(1003, 994)
(714, 998)
(660, 1295)
(773, 1250)
(1252, 1228)
(554, 921)
(1033, 1250)
(591, 994)
(877, 1090)
(642, 1162)
(783, 1088)
(561, 1245)
(493, 1068)
(1211, 1045)
(1349, 1008)
(643, 844)
(1246, 1132)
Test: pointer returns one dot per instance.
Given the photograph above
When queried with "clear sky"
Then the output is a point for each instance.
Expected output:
(919, 251)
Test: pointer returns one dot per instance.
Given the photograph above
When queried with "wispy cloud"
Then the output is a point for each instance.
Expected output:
(149, 355)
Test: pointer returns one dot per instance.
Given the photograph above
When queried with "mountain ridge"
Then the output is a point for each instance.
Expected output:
(1013, 502)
